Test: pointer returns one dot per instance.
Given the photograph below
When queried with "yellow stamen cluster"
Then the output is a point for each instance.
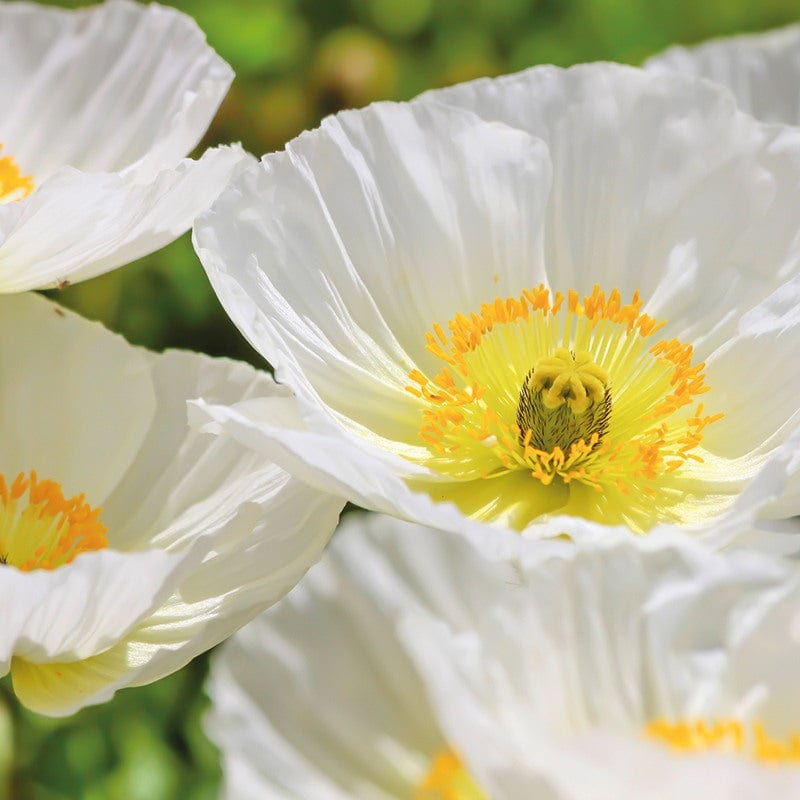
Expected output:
(448, 780)
(13, 184)
(40, 528)
(569, 390)
(726, 736)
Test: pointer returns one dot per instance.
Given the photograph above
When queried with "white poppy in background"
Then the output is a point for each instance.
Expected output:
(762, 70)
(99, 107)
(572, 297)
(318, 698)
(405, 665)
(196, 534)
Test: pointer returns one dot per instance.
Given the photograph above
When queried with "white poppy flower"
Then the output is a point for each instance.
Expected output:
(100, 105)
(762, 70)
(318, 699)
(196, 534)
(406, 665)
(574, 294)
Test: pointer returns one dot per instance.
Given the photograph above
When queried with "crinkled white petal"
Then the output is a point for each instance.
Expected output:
(551, 689)
(345, 466)
(203, 533)
(120, 85)
(73, 612)
(186, 474)
(100, 106)
(762, 70)
(659, 185)
(336, 256)
(316, 699)
(623, 178)
(273, 529)
(78, 225)
(75, 400)
(753, 378)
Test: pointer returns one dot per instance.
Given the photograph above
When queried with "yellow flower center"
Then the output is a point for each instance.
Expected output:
(13, 184)
(572, 394)
(727, 736)
(448, 779)
(40, 528)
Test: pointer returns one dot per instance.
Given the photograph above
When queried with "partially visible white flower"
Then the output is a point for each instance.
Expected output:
(407, 666)
(318, 699)
(196, 534)
(550, 298)
(99, 107)
(762, 70)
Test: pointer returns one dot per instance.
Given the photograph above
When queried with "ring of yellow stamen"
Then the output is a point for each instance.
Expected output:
(13, 184)
(727, 736)
(526, 386)
(40, 528)
(448, 779)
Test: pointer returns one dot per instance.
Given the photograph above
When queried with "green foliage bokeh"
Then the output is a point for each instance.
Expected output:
(296, 61)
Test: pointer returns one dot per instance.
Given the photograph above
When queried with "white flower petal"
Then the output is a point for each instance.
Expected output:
(555, 684)
(81, 609)
(370, 227)
(78, 225)
(252, 559)
(175, 467)
(762, 70)
(659, 185)
(279, 529)
(75, 401)
(315, 699)
(339, 465)
(365, 731)
(760, 399)
(104, 88)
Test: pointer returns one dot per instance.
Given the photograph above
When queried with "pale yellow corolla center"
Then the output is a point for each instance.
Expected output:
(13, 184)
(448, 779)
(40, 528)
(577, 394)
(749, 740)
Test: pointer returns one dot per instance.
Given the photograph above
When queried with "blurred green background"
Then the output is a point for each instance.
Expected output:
(297, 60)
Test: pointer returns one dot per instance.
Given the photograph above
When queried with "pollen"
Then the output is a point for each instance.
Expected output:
(448, 779)
(13, 184)
(578, 394)
(40, 528)
(749, 740)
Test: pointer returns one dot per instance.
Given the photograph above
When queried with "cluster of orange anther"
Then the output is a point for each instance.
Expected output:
(45, 530)
(730, 736)
(546, 465)
(13, 184)
(688, 379)
(597, 307)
